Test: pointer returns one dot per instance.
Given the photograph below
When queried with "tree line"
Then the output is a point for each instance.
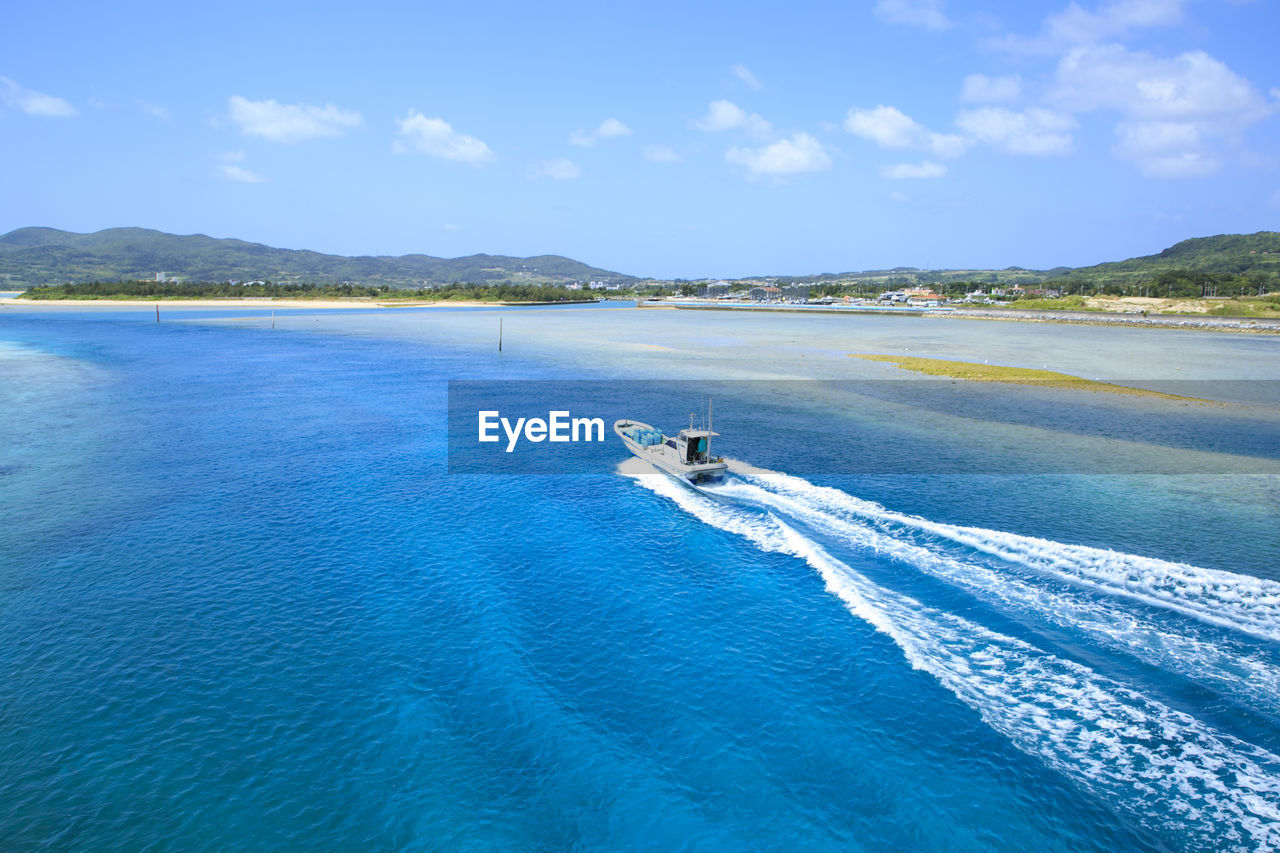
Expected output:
(1173, 283)
(141, 289)
(1169, 284)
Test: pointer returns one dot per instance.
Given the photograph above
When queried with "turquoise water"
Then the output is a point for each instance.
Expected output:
(243, 602)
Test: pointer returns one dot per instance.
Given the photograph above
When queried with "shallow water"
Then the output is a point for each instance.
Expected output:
(246, 604)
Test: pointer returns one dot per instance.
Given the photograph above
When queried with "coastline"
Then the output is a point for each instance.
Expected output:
(1198, 323)
(1201, 323)
(244, 302)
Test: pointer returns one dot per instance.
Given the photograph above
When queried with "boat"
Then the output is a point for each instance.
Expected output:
(685, 456)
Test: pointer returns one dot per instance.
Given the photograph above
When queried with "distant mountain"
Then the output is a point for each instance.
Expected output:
(1224, 255)
(38, 256)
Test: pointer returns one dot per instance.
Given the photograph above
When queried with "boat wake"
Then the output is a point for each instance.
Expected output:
(1225, 599)
(1178, 775)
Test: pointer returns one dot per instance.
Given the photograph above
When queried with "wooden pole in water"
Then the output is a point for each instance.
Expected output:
(273, 319)
(499, 334)
(157, 312)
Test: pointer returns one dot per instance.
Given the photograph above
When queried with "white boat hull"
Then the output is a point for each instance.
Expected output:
(665, 456)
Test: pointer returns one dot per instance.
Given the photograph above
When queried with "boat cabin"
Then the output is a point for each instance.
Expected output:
(693, 444)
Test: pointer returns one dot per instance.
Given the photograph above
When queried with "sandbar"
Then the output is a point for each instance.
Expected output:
(1015, 375)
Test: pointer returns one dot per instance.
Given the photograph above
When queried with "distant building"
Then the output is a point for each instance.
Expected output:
(773, 293)
(713, 291)
(922, 297)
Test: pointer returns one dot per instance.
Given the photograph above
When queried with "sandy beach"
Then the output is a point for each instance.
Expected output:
(248, 302)
(1197, 322)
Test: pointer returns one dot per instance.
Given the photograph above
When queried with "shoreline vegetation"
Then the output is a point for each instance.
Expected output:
(1212, 321)
(1225, 275)
(1265, 307)
(160, 291)
(1194, 322)
(973, 372)
(278, 302)
(1228, 282)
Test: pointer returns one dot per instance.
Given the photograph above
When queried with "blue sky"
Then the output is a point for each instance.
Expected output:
(665, 139)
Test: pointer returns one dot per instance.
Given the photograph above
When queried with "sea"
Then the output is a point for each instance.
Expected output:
(262, 587)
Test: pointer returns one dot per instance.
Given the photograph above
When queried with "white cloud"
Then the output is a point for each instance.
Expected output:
(900, 171)
(230, 169)
(889, 127)
(1183, 164)
(559, 169)
(726, 115)
(1192, 86)
(1175, 114)
(945, 144)
(1035, 132)
(721, 115)
(981, 89)
(745, 75)
(800, 153)
(290, 122)
(232, 172)
(1158, 136)
(154, 110)
(611, 127)
(1165, 149)
(900, 198)
(928, 14)
(607, 129)
(33, 103)
(661, 154)
(1176, 117)
(435, 137)
(1075, 25)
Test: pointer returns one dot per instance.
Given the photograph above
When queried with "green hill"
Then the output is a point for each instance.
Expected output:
(43, 256)
(1225, 265)
(1224, 262)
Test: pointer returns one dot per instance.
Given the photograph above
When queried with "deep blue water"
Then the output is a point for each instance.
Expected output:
(244, 604)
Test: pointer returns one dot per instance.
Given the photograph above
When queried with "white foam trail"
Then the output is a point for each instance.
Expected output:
(1228, 600)
(1166, 768)
(1220, 663)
